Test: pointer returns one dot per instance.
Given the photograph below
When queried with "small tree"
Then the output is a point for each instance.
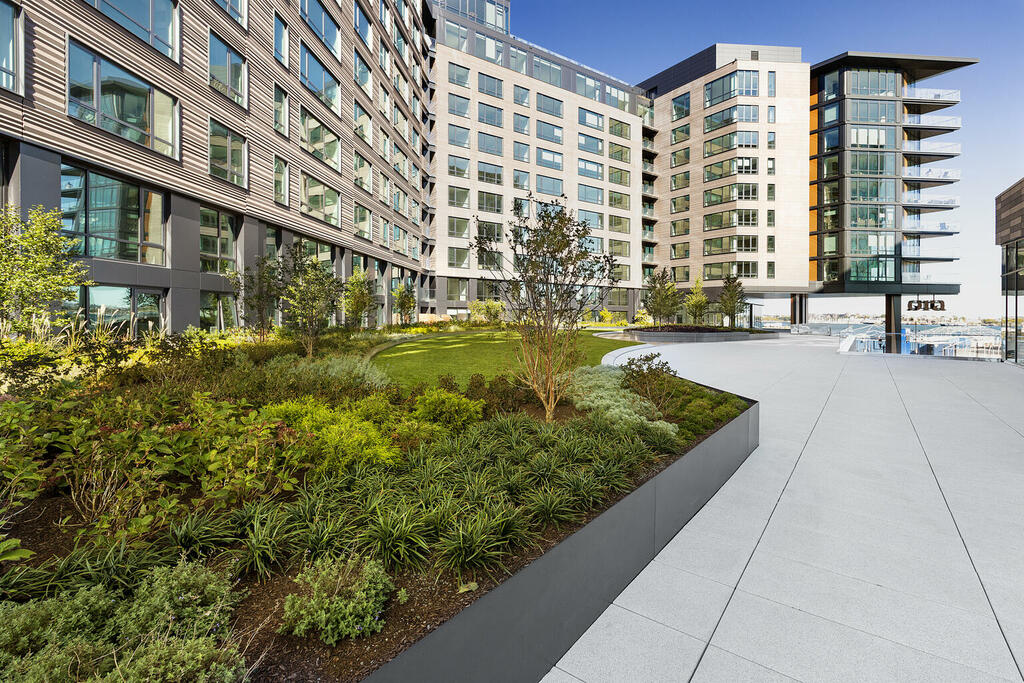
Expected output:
(696, 302)
(547, 281)
(662, 298)
(37, 271)
(405, 302)
(312, 293)
(258, 289)
(732, 298)
(359, 297)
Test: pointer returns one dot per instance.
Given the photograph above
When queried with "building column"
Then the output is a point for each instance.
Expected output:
(893, 324)
(35, 178)
(183, 259)
(797, 309)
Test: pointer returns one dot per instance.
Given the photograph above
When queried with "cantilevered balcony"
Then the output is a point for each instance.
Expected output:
(925, 201)
(930, 175)
(920, 126)
(915, 226)
(923, 100)
(926, 151)
(909, 278)
(909, 252)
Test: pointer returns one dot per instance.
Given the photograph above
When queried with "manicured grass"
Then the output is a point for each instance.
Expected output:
(463, 355)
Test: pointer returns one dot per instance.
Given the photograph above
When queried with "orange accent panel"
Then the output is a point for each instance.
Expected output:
(814, 119)
(812, 220)
(813, 147)
(812, 169)
(812, 271)
(813, 246)
(812, 195)
(814, 96)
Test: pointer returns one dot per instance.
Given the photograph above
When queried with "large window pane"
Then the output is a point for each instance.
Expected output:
(154, 21)
(227, 71)
(227, 154)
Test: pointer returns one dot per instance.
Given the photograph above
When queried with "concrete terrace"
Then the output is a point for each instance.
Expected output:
(877, 533)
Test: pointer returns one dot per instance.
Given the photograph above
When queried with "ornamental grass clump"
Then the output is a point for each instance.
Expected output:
(599, 390)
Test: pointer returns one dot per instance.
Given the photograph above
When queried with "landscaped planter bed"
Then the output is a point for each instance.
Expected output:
(693, 334)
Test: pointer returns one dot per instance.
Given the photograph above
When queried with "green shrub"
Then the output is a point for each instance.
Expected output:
(200, 532)
(396, 535)
(447, 408)
(339, 599)
(599, 390)
(267, 543)
(169, 660)
(470, 544)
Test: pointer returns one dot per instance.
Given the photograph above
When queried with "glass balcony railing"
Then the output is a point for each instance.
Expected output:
(914, 251)
(428, 294)
(929, 199)
(918, 226)
(648, 210)
(648, 234)
(931, 120)
(913, 92)
(648, 143)
(930, 278)
(648, 257)
(648, 188)
(649, 167)
(931, 173)
(931, 146)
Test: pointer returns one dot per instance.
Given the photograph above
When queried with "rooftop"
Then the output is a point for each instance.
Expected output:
(917, 67)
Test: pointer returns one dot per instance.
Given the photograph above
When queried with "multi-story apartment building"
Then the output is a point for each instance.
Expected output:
(872, 197)
(730, 168)
(517, 121)
(183, 138)
(1010, 238)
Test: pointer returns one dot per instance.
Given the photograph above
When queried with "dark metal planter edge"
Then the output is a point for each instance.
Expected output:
(521, 628)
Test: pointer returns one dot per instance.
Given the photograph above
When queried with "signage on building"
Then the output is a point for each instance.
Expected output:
(933, 305)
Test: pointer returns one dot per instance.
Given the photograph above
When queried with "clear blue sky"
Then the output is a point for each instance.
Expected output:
(635, 40)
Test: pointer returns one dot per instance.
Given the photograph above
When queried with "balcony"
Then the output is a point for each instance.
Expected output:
(912, 92)
(930, 120)
(648, 234)
(648, 145)
(428, 294)
(648, 167)
(647, 188)
(930, 278)
(918, 227)
(921, 199)
(931, 146)
(648, 257)
(648, 210)
(915, 253)
(931, 173)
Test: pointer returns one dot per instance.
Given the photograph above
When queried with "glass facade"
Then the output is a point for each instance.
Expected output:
(1013, 289)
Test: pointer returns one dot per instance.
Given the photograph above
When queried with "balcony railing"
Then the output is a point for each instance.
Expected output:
(648, 143)
(648, 257)
(912, 252)
(930, 278)
(931, 173)
(915, 93)
(649, 167)
(931, 120)
(930, 199)
(648, 234)
(428, 294)
(647, 188)
(931, 146)
(648, 210)
(911, 225)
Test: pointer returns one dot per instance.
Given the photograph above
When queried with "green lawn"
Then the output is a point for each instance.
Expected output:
(462, 355)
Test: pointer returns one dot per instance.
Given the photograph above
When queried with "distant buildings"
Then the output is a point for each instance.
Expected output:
(1010, 237)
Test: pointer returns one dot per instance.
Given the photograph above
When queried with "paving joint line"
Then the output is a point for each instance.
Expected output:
(942, 493)
(821, 412)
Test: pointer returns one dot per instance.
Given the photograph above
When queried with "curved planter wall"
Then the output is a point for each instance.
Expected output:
(521, 628)
(696, 337)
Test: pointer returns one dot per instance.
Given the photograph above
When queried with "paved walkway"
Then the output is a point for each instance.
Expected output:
(877, 533)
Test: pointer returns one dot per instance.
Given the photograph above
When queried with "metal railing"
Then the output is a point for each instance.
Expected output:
(931, 173)
(915, 93)
(911, 225)
(931, 120)
(931, 146)
(929, 199)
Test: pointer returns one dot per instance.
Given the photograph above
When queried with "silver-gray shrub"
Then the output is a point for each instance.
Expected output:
(599, 390)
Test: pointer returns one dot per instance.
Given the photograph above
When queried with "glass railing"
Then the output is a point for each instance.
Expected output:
(648, 258)
(648, 210)
(929, 199)
(648, 144)
(915, 93)
(648, 188)
(919, 226)
(916, 252)
(931, 278)
(931, 146)
(427, 294)
(931, 173)
(648, 234)
(648, 166)
(931, 120)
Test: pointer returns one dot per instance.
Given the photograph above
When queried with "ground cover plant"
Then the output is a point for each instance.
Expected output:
(216, 507)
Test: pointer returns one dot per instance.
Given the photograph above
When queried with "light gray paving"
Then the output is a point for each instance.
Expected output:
(876, 534)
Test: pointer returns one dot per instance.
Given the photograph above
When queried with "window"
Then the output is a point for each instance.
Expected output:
(771, 192)
(771, 114)
(830, 86)
(280, 110)
(620, 271)
(549, 131)
(865, 190)
(517, 60)
(618, 200)
(362, 25)
(879, 217)
(521, 95)
(771, 84)
(280, 40)
(488, 201)
(681, 134)
(363, 124)
(458, 105)
(588, 143)
(521, 124)
(618, 152)
(877, 137)
(322, 23)
(227, 71)
(679, 227)
(236, 8)
(228, 154)
(489, 85)
(591, 169)
(520, 180)
(680, 204)
(770, 166)
(679, 250)
(681, 106)
(618, 224)
(877, 82)
(770, 219)
(458, 227)
(549, 185)
(520, 151)
(458, 136)
(719, 271)
(104, 95)
(739, 113)
(458, 166)
(723, 143)
(549, 105)
(591, 119)
(618, 128)
(771, 139)
(110, 218)
(459, 75)
(324, 203)
(488, 48)
(595, 245)
(489, 173)
(218, 231)
(680, 181)
(590, 195)
(593, 219)
(549, 159)
(681, 273)
(729, 86)
(488, 144)
(363, 172)
(154, 21)
(458, 257)
(458, 196)
(217, 311)
(488, 114)
(311, 76)
(588, 87)
(455, 36)
(280, 181)
(680, 157)
(872, 111)
(546, 71)
(869, 163)
(319, 140)
(618, 248)
(619, 176)
(730, 219)
(457, 289)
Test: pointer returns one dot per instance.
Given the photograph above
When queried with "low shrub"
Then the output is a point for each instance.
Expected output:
(447, 408)
(338, 599)
(600, 390)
